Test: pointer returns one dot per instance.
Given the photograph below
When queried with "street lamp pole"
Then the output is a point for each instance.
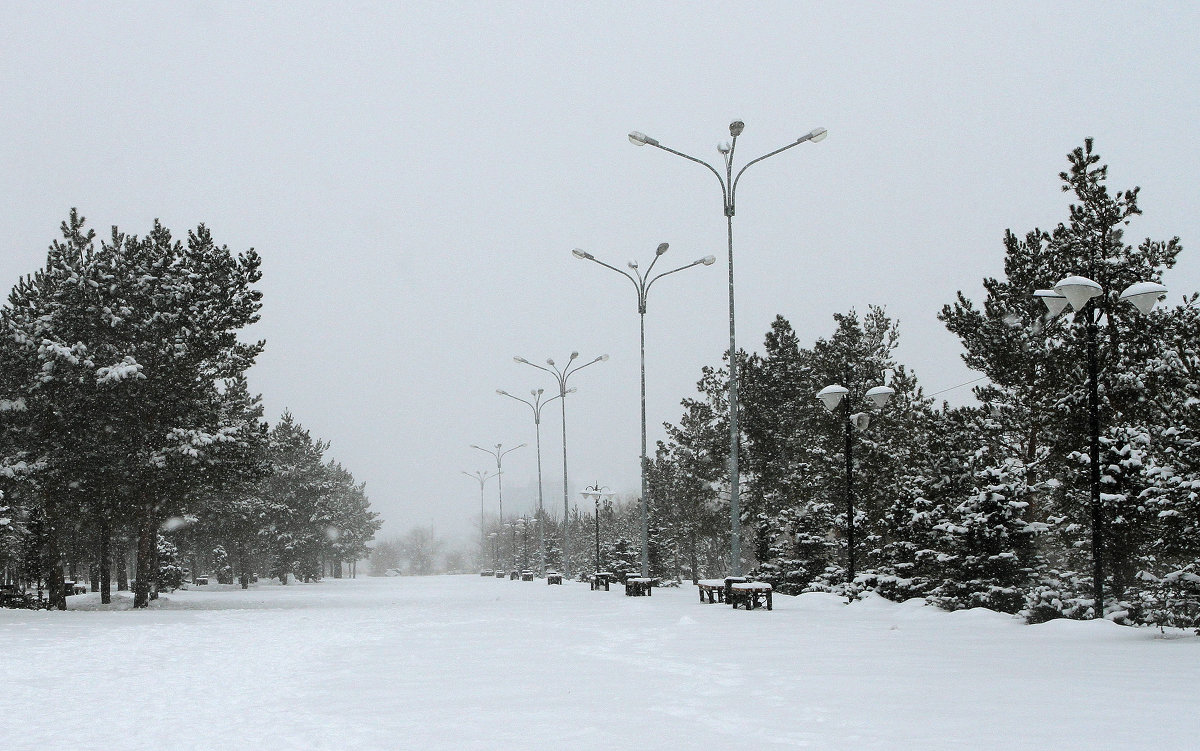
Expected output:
(499, 456)
(536, 405)
(482, 477)
(831, 397)
(596, 492)
(1085, 295)
(561, 376)
(728, 184)
(641, 284)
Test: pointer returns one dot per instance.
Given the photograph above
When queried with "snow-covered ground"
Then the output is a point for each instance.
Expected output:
(465, 662)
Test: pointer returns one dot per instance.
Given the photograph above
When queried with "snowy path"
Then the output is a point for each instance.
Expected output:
(472, 663)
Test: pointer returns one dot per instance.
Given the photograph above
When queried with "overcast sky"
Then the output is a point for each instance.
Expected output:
(415, 176)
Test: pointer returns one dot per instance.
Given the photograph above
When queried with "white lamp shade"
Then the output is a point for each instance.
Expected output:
(1078, 290)
(880, 395)
(861, 421)
(1055, 302)
(1144, 295)
(831, 396)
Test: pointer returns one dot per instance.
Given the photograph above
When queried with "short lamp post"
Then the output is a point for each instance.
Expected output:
(561, 375)
(1088, 297)
(641, 284)
(729, 182)
(831, 397)
(596, 493)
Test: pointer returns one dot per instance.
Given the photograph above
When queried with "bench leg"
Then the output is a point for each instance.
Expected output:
(768, 600)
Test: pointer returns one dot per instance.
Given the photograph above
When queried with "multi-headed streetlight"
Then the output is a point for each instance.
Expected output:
(536, 405)
(729, 184)
(1089, 297)
(596, 492)
(561, 376)
(831, 397)
(499, 455)
(482, 477)
(641, 284)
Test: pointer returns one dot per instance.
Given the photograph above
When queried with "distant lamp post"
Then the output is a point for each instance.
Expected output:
(495, 561)
(729, 183)
(832, 397)
(498, 453)
(536, 406)
(561, 375)
(596, 492)
(641, 284)
(1086, 296)
(482, 477)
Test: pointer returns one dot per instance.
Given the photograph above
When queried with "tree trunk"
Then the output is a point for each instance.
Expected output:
(695, 559)
(146, 545)
(337, 569)
(122, 565)
(53, 570)
(105, 564)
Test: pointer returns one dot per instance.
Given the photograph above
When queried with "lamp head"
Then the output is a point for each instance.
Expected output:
(816, 135)
(537, 392)
(550, 361)
(574, 355)
(831, 396)
(735, 128)
(1078, 290)
(572, 390)
(662, 248)
(708, 260)
(880, 395)
(581, 254)
(724, 148)
(501, 392)
(1144, 295)
(602, 358)
(641, 139)
(1055, 302)
(518, 358)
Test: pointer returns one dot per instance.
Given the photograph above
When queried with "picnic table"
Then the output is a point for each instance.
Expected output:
(636, 586)
(601, 579)
(749, 595)
(553, 577)
(526, 576)
(717, 590)
(487, 572)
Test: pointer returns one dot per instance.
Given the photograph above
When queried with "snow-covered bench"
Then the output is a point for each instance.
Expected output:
(601, 579)
(636, 586)
(553, 577)
(717, 590)
(749, 594)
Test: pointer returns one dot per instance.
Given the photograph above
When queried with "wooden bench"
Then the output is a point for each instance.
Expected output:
(749, 595)
(717, 590)
(487, 572)
(601, 579)
(514, 575)
(499, 574)
(636, 586)
(526, 576)
(553, 577)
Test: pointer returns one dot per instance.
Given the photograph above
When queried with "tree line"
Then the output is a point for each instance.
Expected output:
(975, 506)
(127, 428)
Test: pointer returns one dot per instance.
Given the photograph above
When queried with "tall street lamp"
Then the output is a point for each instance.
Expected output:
(831, 397)
(561, 375)
(1088, 297)
(536, 405)
(641, 283)
(495, 561)
(482, 477)
(728, 184)
(499, 456)
(596, 492)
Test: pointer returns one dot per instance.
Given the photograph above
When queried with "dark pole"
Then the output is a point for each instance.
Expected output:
(849, 495)
(1094, 428)
(597, 521)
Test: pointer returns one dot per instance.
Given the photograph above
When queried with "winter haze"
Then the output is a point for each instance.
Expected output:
(415, 176)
